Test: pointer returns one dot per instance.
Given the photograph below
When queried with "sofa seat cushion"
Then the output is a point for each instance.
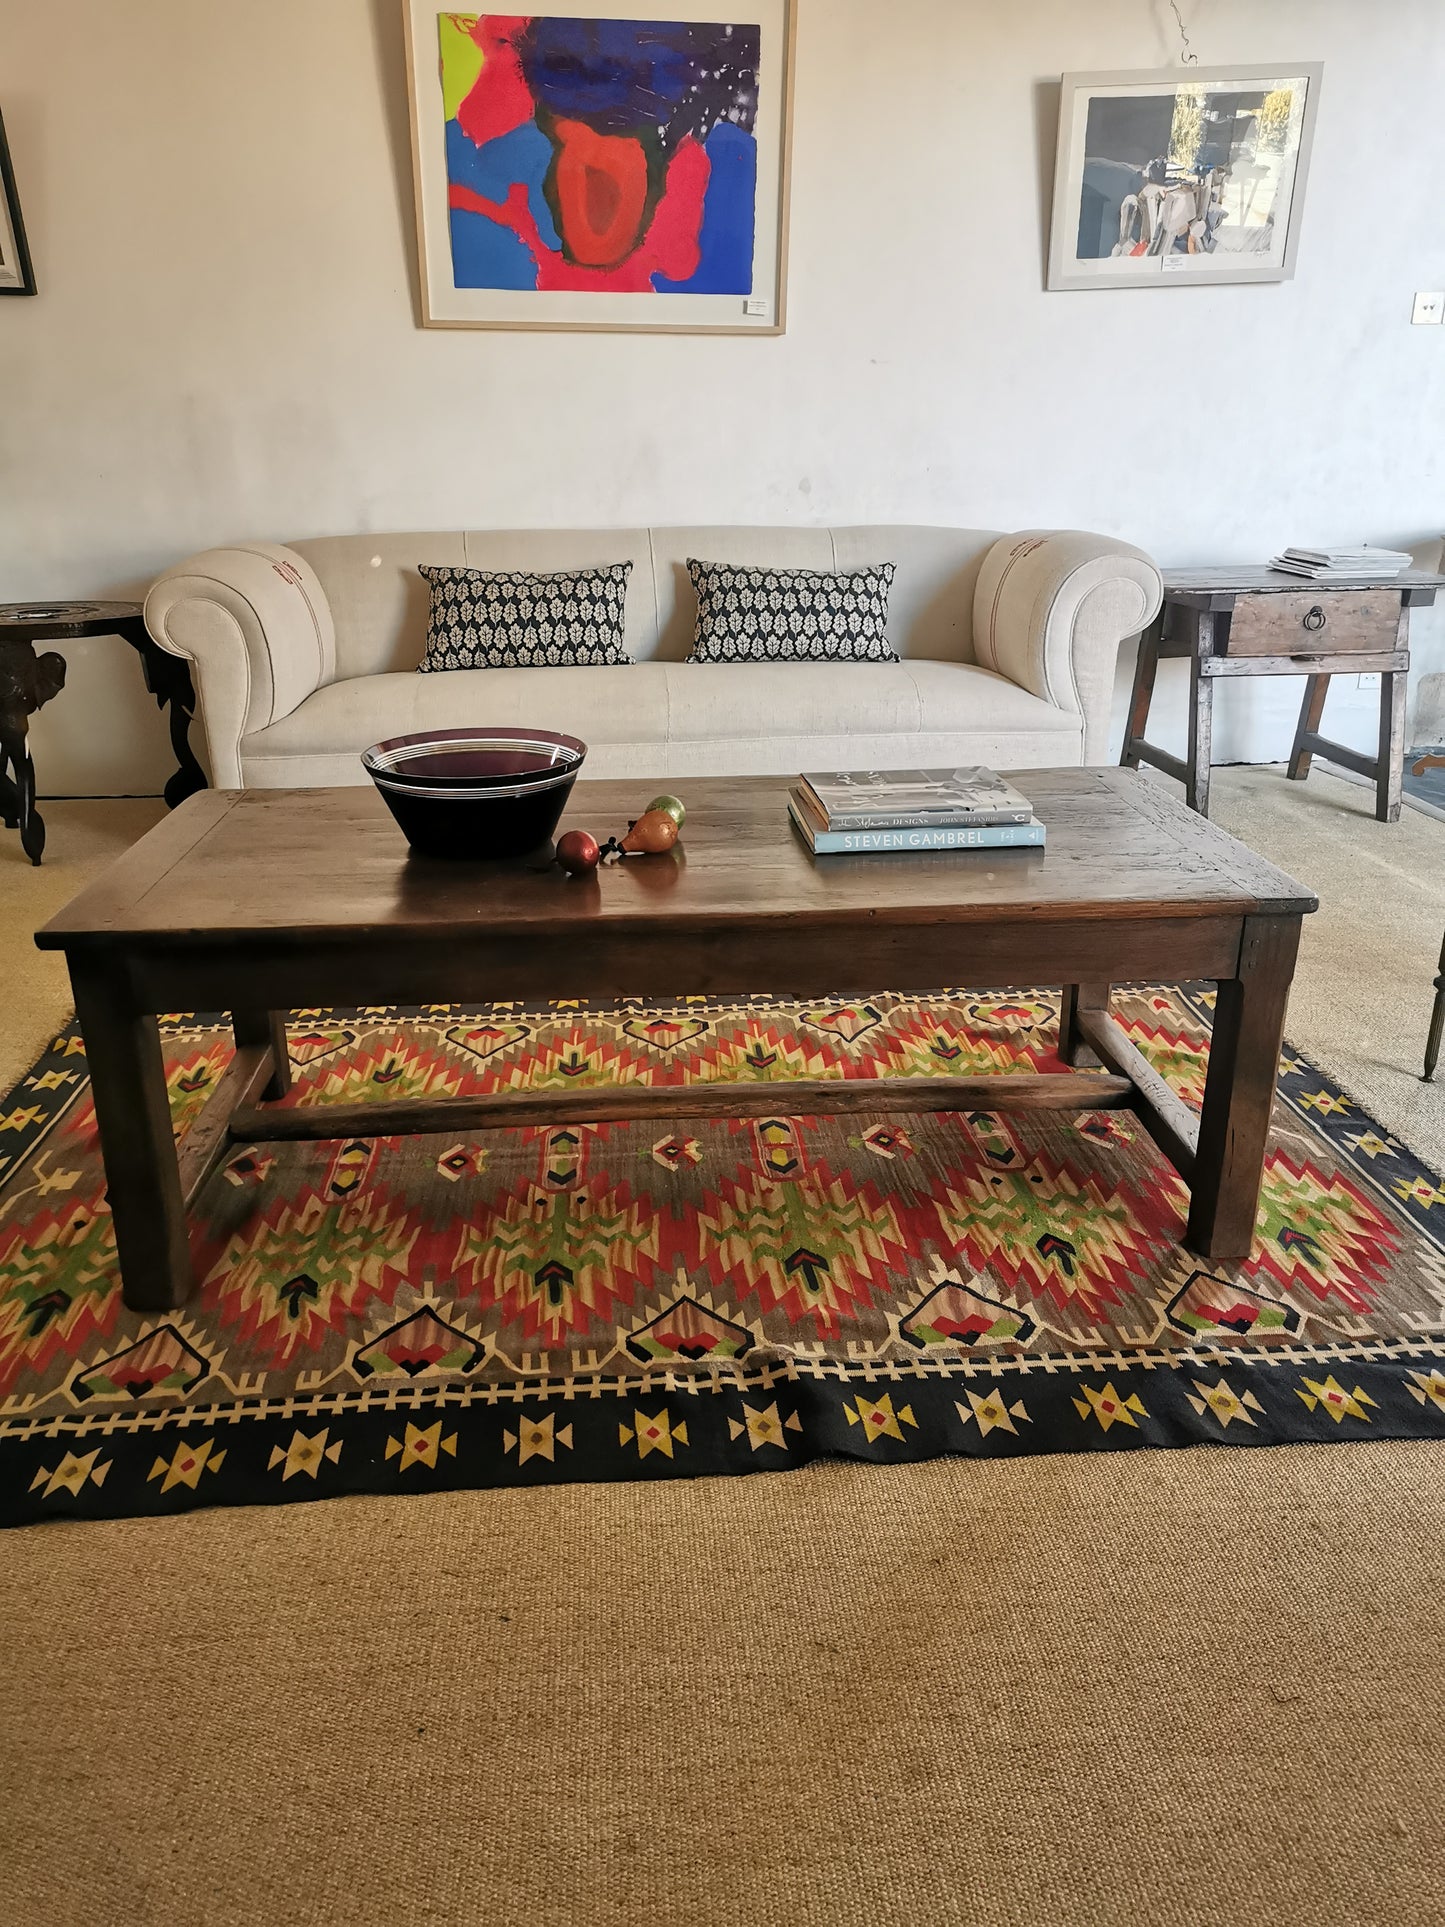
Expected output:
(677, 719)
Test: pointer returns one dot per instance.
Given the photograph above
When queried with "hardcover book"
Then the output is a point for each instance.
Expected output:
(843, 842)
(971, 797)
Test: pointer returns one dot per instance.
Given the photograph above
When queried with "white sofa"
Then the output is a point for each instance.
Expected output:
(303, 656)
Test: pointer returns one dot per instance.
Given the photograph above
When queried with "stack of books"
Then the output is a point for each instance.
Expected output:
(1342, 565)
(865, 811)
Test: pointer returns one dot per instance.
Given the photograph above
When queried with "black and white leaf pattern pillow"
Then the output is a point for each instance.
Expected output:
(485, 620)
(791, 615)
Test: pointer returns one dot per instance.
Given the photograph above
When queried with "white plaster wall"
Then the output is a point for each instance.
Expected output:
(225, 343)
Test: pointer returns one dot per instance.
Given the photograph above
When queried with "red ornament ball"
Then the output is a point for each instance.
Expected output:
(578, 853)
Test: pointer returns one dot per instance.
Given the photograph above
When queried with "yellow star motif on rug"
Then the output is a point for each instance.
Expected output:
(1225, 1403)
(18, 1119)
(991, 1413)
(52, 1080)
(1333, 1397)
(186, 1464)
(652, 1434)
(537, 1438)
(1428, 1388)
(878, 1418)
(420, 1447)
(1371, 1145)
(1108, 1408)
(71, 1473)
(763, 1426)
(1327, 1103)
(1419, 1191)
(303, 1454)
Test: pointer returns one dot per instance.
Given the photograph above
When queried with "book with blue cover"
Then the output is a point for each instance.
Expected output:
(867, 842)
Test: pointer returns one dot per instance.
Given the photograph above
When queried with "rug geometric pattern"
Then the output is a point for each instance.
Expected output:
(646, 1300)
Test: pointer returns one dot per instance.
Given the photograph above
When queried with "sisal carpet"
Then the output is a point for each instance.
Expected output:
(1177, 1688)
(671, 1298)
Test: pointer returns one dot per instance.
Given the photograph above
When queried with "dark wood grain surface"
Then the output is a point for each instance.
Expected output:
(1259, 579)
(261, 867)
(263, 901)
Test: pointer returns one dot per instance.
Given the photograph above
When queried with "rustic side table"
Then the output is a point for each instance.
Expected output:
(28, 681)
(1264, 622)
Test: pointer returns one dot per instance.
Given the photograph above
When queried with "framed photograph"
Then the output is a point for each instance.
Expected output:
(16, 274)
(1172, 179)
(613, 166)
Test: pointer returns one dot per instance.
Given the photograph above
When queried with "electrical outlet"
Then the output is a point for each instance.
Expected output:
(1367, 682)
(1429, 310)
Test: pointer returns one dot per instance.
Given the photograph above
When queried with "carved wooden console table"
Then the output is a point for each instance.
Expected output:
(28, 681)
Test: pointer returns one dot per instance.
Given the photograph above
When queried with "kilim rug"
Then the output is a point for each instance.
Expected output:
(634, 1302)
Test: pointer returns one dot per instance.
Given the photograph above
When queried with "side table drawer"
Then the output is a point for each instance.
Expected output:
(1315, 623)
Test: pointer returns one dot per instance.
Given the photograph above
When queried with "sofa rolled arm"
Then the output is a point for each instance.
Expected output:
(254, 624)
(1052, 607)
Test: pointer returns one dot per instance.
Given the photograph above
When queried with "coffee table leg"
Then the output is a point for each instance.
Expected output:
(266, 1027)
(1239, 1091)
(128, 1084)
(1074, 998)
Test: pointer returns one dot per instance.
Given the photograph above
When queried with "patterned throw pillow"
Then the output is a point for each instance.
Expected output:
(791, 615)
(481, 620)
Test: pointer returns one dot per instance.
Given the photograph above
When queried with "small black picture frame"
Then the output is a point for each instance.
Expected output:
(17, 274)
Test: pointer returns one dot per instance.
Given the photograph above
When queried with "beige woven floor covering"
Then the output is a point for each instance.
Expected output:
(1176, 1687)
(1183, 1687)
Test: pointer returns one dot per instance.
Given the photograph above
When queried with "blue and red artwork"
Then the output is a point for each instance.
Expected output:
(610, 156)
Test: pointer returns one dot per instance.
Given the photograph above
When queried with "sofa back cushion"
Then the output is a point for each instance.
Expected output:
(379, 602)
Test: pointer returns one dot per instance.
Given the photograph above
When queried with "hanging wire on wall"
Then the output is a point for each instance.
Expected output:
(1187, 54)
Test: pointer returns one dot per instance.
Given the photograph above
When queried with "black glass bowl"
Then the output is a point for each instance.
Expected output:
(489, 795)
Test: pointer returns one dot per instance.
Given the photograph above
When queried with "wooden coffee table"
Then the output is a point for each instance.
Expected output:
(261, 901)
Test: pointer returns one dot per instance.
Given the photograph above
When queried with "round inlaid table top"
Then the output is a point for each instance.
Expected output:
(33, 621)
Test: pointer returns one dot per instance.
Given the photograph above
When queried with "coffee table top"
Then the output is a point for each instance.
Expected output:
(230, 865)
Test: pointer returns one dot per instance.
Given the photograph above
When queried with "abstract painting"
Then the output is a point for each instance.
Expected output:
(1196, 175)
(593, 170)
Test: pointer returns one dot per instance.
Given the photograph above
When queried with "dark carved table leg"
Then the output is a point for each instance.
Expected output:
(169, 680)
(27, 682)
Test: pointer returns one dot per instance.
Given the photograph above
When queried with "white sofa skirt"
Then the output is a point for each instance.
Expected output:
(674, 720)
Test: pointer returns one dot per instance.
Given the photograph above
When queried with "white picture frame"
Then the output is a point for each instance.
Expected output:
(597, 192)
(1186, 177)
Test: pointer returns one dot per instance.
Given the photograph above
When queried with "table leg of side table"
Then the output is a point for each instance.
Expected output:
(1311, 715)
(1390, 773)
(128, 1086)
(1146, 670)
(1201, 726)
(1239, 1091)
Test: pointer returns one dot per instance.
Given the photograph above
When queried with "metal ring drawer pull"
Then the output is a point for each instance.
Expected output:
(1316, 619)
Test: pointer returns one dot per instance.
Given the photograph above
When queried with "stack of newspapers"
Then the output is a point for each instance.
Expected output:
(861, 812)
(1343, 565)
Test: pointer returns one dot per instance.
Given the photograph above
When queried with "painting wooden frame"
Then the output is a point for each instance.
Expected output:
(1188, 177)
(685, 267)
(17, 274)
